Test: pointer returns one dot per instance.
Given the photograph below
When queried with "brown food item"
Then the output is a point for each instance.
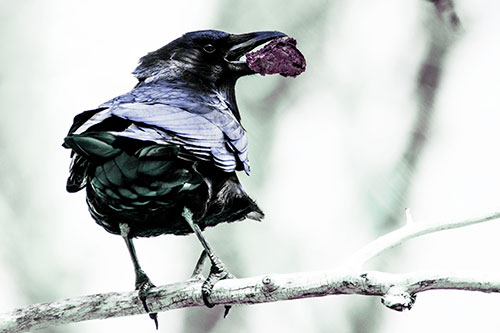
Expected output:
(280, 56)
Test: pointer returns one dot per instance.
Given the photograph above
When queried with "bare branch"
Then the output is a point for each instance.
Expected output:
(398, 292)
(407, 232)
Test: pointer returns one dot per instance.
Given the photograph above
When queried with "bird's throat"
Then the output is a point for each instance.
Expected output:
(227, 90)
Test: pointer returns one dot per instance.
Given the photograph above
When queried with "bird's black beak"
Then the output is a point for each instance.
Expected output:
(241, 44)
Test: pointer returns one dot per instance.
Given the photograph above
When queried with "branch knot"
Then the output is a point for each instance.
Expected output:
(398, 298)
(268, 284)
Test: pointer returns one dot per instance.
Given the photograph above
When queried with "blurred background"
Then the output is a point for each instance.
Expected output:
(395, 110)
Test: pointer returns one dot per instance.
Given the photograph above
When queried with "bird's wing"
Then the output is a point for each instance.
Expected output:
(207, 131)
(208, 136)
(199, 117)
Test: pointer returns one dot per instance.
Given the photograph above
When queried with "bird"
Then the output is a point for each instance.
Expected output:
(163, 158)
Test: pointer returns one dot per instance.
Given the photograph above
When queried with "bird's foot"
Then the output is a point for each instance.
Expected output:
(218, 272)
(143, 284)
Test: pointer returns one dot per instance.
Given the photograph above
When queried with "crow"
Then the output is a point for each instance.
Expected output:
(162, 158)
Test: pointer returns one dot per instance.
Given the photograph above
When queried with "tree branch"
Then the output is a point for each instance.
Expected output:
(407, 232)
(398, 291)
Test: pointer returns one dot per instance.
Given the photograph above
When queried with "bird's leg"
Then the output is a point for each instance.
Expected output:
(218, 271)
(142, 282)
(199, 265)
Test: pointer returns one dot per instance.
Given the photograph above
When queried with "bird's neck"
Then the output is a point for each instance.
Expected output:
(227, 90)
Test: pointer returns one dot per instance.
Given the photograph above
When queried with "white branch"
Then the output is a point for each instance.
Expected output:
(398, 291)
(408, 231)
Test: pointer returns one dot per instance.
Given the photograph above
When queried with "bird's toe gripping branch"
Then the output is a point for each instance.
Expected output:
(142, 282)
(218, 272)
(143, 285)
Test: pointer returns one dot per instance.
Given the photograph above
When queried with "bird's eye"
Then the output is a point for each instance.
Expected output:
(209, 48)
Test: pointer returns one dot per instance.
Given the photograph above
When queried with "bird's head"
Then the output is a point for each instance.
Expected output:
(209, 55)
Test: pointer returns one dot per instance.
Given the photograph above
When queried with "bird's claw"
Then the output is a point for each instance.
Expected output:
(218, 272)
(143, 284)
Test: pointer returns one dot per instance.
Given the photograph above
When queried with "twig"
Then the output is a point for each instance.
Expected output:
(398, 292)
(407, 232)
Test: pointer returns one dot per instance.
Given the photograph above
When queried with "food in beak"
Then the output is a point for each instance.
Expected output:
(280, 56)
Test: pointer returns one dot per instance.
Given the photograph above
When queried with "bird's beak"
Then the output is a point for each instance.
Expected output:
(241, 44)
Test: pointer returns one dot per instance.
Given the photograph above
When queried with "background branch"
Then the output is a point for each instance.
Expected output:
(409, 231)
(446, 9)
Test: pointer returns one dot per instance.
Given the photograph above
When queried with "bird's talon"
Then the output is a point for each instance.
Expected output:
(206, 301)
(154, 316)
(218, 272)
(226, 310)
